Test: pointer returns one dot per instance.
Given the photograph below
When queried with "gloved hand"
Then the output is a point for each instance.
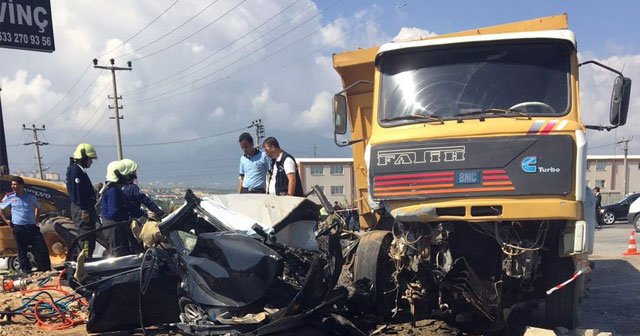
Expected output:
(85, 216)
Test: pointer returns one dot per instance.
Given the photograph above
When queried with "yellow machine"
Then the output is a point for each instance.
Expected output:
(54, 225)
(470, 157)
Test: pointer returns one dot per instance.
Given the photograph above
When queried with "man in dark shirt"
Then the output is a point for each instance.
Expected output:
(596, 191)
(114, 211)
(134, 197)
(81, 193)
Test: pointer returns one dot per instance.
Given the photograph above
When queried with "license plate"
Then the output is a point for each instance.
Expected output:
(468, 177)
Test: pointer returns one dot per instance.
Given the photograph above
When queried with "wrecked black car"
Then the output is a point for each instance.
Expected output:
(213, 271)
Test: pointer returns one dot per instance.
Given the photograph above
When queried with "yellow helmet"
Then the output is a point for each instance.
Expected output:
(115, 171)
(130, 166)
(85, 150)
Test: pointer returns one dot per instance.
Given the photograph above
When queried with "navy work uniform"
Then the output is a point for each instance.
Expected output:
(83, 203)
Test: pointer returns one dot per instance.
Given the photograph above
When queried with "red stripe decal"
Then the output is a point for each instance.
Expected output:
(548, 128)
(395, 177)
(414, 181)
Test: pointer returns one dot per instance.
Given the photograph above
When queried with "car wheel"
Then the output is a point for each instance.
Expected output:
(14, 263)
(191, 312)
(608, 217)
(636, 223)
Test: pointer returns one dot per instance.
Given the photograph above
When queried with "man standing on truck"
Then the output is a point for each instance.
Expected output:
(285, 179)
(254, 165)
(24, 212)
(81, 193)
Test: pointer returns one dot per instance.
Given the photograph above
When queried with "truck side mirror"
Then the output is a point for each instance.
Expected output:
(340, 114)
(620, 101)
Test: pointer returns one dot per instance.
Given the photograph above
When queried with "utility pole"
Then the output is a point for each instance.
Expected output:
(625, 149)
(38, 143)
(113, 69)
(4, 159)
(259, 131)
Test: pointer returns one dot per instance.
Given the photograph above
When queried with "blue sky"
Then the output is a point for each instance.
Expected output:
(238, 61)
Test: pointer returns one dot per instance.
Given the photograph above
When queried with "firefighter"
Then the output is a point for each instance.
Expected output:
(134, 197)
(82, 196)
(114, 211)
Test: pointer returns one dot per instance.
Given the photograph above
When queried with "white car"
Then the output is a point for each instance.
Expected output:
(634, 214)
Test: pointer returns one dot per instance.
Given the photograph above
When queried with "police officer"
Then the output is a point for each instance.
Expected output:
(114, 211)
(81, 193)
(24, 211)
(134, 197)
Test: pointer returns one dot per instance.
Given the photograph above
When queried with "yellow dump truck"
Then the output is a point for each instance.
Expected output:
(470, 157)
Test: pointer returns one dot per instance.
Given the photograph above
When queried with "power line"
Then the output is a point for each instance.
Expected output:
(169, 33)
(68, 91)
(182, 71)
(164, 142)
(75, 101)
(155, 98)
(37, 143)
(141, 30)
(196, 32)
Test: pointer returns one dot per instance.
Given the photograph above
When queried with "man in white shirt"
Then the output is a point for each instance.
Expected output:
(285, 179)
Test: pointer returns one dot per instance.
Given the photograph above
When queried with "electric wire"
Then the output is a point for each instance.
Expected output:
(141, 30)
(76, 100)
(239, 59)
(169, 33)
(183, 70)
(66, 94)
(189, 36)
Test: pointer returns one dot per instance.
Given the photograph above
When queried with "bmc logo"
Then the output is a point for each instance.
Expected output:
(529, 164)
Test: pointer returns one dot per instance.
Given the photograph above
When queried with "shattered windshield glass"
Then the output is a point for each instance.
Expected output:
(529, 78)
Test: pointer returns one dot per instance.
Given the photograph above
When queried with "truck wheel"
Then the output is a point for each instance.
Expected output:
(58, 233)
(562, 306)
(372, 262)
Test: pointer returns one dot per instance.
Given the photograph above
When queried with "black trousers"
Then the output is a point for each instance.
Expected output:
(30, 235)
(253, 190)
(120, 238)
(83, 227)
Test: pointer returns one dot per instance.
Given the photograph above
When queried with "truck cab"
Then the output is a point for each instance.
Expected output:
(469, 150)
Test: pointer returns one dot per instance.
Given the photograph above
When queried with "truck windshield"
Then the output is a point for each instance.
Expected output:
(525, 79)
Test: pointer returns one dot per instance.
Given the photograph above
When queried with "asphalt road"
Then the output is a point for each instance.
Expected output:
(613, 291)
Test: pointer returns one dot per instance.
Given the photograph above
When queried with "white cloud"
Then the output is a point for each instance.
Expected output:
(412, 33)
(218, 112)
(333, 34)
(318, 115)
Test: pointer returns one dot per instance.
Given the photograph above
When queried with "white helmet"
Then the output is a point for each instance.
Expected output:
(130, 166)
(115, 171)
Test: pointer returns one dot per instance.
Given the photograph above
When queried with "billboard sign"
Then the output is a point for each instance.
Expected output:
(26, 24)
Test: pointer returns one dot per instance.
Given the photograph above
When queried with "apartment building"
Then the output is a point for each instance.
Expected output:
(333, 175)
(608, 172)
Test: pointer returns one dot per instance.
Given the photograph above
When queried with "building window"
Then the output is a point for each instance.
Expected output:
(601, 165)
(600, 183)
(337, 190)
(317, 170)
(337, 169)
(588, 166)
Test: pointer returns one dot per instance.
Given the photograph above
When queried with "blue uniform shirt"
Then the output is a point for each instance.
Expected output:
(134, 197)
(113, 204)
(79, 187)
(22, 207)
(254, 169)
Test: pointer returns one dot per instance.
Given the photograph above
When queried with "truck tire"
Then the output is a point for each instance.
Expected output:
(58, 233)
(372, 262)
(562, 306)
